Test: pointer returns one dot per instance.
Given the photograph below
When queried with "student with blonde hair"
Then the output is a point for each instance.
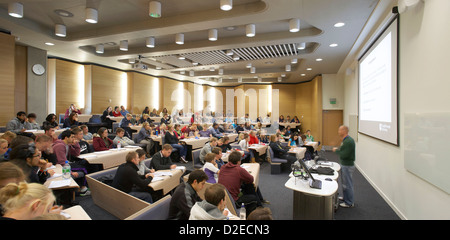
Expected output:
(25, 201)
(10, 173)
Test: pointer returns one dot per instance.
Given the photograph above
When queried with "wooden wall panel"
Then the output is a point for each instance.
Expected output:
(107, 88)
(68, 87)
(20, 88)
(7, 78)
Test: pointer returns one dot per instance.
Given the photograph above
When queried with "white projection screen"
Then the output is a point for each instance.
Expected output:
(377, 99)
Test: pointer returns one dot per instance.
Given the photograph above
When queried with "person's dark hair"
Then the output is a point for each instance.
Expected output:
(215, 193)
(167, 147)
(22, 152)
(198, 175)
(32, 115)
(216, 150)
(140, 152)
(235, 157)
(65, 134)
(260, 213)
(75, 130)
(130, 156)
(101, 130)
(20, 140)
(21, 113)
(49, 117)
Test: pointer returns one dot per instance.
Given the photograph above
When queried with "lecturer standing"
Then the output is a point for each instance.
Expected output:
(346, 154)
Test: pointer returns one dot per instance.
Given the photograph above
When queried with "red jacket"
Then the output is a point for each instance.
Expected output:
(99, 145)
(232, 176)
(253, 140)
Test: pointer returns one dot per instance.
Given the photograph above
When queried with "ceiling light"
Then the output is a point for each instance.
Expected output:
(195, 63)
(279, 79)
(283, 75)
(250, 30)
(150, 42)
(339, 24)
(212, 69)
(319, 59)
(220, 71)
(91, 15)
(212, 34)
(235, 58)
(229, 53)
(303, 74)
(100, 48)
(252, 70)
(124, 45)
(333, 45)
(154, 9)
(226, 5)
(249, 65)
(132, 60)
(308, 69)
(49, 44)
(60, 30)
(15, 9)
(182, 72)
(294, 61)
(181, 57)
(179, 38)
(191, 73)
(288, 68)
(158, 68)
(63, 13)
(301, 46)
(294, 25)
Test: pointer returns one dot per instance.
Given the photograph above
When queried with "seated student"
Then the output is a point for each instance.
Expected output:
(240, 128)
(31, 124)
(161, 160)
(177, 129)
(224, 144)
(84, 148)
(17, 124)
(3, 149)
(288, 131)
(145, 118)
(295, 120)
(135, 120)
(10, 173)
(165, 119)
(244, 147)
(72, 108)
(123, 111)
(204, 132)
(218, 157)
(215, 131)
(266, 119)
(279, 151)
(162, 129)
(154, 113)
(72, 120)
(260, 213)
(207, 148)
(125, 124)
(211, 169)
(190, 131)
(164, 112)
(309, 137)
(102, 142)
(233, 176)
(186, 195)
(51, 120)
(295, 141)
(146, 110)
(144, 136)
(116, 112)
(247, 126)
(213, 207)
(86, 134)
(143, 169)
(281, 119)
(107, 114)
(120, 137)
(129, 181)
(25, 201)
(68, 149)
(253, 139)
(172, 138)
(28, 158)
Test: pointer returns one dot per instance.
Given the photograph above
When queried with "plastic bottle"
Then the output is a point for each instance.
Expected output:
(156, 132)
(119, 146)
(242, 212)
(66, 172)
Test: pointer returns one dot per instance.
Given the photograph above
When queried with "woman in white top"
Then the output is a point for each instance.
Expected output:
(244, 146)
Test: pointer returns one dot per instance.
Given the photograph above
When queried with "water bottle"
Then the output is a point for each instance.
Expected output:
(242, 212)
(119, 145)
(66, 171)
(156, 132)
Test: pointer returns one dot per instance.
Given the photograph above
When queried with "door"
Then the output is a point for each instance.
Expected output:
(331, 120)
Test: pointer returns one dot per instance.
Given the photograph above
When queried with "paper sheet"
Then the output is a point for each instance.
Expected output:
(60, 183)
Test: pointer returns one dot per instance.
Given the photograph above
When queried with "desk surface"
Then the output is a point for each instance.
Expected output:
(77, 213)
(169, 182)
(58, 177)
(111, 158)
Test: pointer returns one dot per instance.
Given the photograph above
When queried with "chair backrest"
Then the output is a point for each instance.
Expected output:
(156, 211)
(230, 204)
(95, 119)
(196, 158)
(235, 146)
(271, 152)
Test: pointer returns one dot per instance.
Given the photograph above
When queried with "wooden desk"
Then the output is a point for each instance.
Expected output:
(58, 177)
(259, 148)
(169, 182)
(225, 155)
(292, 125)
(315, 145)
(253, 169)
(109, 159)
(84, 118)
(77, 213)
(196, 143)
(299, 152)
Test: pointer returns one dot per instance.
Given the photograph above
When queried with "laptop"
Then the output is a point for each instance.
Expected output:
(314, 183)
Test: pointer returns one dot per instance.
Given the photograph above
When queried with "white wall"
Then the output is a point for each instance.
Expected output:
(423, 87)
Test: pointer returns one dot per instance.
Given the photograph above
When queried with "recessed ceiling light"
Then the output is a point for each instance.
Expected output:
(339, 24)
(319, 59)
(308, 69)
(333, 45)
(226, 5)
(49, 44)
(303, 74)
(91, 15)
(63, 13)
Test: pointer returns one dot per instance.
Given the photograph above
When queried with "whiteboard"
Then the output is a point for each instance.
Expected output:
(427, 147)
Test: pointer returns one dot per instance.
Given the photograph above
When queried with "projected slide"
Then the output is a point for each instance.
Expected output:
(378, 88)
